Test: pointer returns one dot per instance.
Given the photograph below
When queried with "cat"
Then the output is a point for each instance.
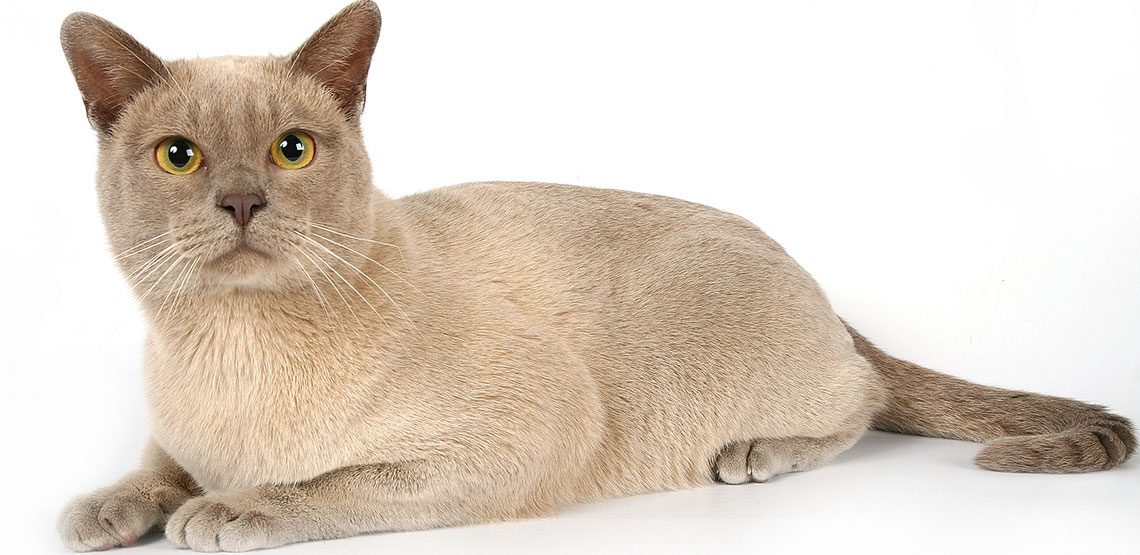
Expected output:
(324, 361)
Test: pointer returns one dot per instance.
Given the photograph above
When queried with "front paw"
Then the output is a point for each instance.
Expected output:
(239, 520)
(115, 516)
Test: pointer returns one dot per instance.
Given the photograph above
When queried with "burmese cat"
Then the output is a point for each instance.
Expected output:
(324, 361)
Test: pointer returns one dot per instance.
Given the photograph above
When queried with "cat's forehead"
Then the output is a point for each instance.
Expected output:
(234, 76)
(232, 100)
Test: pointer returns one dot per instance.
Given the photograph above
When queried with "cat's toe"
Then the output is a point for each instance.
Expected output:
(128, 517)
(108, 518)
(218, 523)
(761, 464)
(731, 466)
(80, 529)
(195, 525)
(250, 530)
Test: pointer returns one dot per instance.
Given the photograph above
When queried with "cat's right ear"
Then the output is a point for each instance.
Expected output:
(109, 65)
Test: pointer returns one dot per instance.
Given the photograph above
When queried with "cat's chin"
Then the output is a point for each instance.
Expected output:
(243, 265)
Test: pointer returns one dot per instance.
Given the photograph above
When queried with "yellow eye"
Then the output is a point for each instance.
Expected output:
(293, 150)
(178, 156)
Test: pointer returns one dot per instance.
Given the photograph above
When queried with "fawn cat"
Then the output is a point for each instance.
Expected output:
(323, 360)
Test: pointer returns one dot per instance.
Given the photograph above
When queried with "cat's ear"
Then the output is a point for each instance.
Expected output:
(339, 53)
(110, 66)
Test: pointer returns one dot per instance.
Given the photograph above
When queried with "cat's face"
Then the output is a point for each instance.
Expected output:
(224, 164)
(227, 116)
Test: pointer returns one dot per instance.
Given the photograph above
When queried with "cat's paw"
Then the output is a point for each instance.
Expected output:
(230, 521)
(115, 516)
(761, 459)
(745, 461)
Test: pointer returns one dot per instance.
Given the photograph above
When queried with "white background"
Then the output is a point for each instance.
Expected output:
(961, 177)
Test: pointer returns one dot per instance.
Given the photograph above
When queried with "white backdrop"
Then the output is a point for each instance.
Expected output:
(961, 177)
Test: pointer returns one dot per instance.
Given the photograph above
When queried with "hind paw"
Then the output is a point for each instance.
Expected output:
(758, 461)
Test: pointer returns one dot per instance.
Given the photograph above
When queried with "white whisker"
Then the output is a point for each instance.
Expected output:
(139, 251)
(373, 282)
(367, 277)
(173, 284)
(317, 290)
(168, 269)
(170, 253)
(131, 250)
(306, 254)
(324, 227)
(358, 293)
(147, 264)
(178, 294)
(366, 257)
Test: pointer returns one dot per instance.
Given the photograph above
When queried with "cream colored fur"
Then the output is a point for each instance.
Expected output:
(479, 352)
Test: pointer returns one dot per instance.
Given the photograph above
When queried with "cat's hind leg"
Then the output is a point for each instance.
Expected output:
(758, 460)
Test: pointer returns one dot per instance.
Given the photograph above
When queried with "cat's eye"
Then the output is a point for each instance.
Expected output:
(178, 156)
(293, 150)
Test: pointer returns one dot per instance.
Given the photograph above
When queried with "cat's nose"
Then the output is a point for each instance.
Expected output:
(241, 206)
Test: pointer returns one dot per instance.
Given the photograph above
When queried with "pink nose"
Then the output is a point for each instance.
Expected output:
(241, 206)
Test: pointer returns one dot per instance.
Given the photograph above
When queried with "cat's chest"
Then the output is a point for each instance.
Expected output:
(238, 409)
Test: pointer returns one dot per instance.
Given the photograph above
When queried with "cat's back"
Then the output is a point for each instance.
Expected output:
(601, 262)
(593, 249)
(576, 220)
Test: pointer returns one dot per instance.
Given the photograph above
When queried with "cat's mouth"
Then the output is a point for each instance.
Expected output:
(242, 250)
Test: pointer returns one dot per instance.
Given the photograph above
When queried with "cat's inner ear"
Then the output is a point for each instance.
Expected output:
(339, 53)
(110, 66)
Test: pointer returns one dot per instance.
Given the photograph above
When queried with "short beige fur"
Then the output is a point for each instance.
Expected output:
(350, 363)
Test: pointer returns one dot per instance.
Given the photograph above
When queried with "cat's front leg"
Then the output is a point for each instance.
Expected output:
(342, 503)
(119, 514)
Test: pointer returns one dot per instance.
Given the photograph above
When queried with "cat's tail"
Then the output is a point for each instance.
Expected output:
(1023, 432)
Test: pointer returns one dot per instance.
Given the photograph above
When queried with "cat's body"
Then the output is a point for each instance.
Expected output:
(340, 362)
(552, 332)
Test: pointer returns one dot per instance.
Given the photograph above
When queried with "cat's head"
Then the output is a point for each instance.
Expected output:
(216, 169)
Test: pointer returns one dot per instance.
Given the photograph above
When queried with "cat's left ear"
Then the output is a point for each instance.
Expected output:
(339, 53)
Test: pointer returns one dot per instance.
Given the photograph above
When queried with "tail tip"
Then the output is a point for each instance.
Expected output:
(1085, 449)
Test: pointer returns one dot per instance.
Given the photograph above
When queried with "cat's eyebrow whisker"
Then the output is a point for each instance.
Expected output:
(358, 293)
(370, 280)
(132, 250)
(366, 257)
